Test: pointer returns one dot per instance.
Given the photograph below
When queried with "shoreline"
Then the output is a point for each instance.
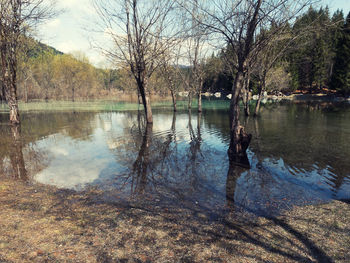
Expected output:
(44, 224)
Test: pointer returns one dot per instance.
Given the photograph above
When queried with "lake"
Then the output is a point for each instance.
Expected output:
(299, 154)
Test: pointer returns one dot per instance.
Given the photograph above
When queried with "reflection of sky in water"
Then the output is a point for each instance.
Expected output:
(73, 163)
(185, 164)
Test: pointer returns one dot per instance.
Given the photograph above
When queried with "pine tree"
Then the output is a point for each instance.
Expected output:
(341, 73)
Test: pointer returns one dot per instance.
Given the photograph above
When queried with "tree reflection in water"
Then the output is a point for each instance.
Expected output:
(19, 160)
(16, 154)
(182, 158)
(141, 164)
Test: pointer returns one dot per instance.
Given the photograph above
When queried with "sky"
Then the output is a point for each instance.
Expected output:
(71, 31)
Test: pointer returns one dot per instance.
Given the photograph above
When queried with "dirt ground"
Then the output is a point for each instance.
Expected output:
(45, 224)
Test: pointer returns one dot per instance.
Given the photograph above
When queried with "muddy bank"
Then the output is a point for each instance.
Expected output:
(44, 224)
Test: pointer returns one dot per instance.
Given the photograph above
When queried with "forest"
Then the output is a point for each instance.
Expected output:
(317, 61)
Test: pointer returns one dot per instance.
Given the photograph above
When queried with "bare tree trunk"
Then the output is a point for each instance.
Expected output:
(139, 98)
(173, 124)
(25, 92)
(246, 98)
(146, 100)
(14, 112)
(257, 106)
(173, 96)
(199, 122)
(189, 105)
(73, 94)
(13, 103)
(47, 95)
(239, 138)
(9, 78)
(200, 101)
(2, 94)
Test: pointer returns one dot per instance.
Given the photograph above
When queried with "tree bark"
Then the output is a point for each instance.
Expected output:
(246, 102)
(9, 80)
(200, 101)
(173, 96)
(139, 98)
(246, 98)
(14, 113)
(73, 95)
(2, 94)
(240, 140)
(257, 106)
(11, 97)
(25, 92)
(142, 86)
(189, 105)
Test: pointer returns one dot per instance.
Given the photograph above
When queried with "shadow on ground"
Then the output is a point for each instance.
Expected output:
(44, 224)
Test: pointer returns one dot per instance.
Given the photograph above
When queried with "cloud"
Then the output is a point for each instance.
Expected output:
(68, 46)
(53, 23)
(77, 6)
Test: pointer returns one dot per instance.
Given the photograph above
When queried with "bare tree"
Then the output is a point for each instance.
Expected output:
(16, 17)
(268, 58)
(142, 31)
(171, 75)
(238, 23)
(195, 40)
(197, 73)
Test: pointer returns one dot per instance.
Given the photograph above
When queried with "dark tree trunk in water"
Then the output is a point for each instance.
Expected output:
(200, 101)
(173, 97)
(142, 86)
(239, 140)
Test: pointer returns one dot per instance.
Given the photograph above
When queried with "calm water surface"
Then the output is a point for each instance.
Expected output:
(299, 155)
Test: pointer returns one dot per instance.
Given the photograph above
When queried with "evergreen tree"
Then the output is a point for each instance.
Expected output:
(341, 73)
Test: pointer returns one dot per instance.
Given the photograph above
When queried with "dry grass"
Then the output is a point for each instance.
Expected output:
(44, 224)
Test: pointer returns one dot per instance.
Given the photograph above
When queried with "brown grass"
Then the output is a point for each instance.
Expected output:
(45, 224)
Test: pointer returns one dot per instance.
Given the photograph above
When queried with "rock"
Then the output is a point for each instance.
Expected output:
(229, 96)
(183, 93)
(217, 94)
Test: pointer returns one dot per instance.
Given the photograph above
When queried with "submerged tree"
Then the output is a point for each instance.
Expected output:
(141, 31)
(16, 16)
(238, 23)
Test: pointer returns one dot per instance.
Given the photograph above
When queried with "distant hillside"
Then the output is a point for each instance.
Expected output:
(36, 48)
